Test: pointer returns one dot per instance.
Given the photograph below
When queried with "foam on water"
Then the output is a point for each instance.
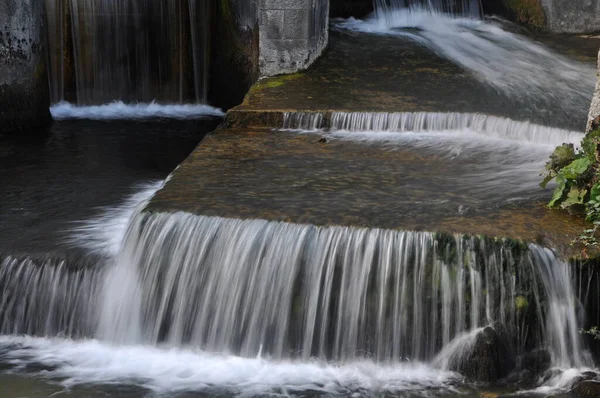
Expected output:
(180, 370)
(104, 233)
(509, 62)
(119, 110)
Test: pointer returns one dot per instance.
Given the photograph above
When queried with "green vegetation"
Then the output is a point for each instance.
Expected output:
(594, 332)
(577, 176)
(521, 303)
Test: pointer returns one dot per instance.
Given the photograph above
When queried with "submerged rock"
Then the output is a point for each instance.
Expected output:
(537, 361)
(587, 389)
(490, 359)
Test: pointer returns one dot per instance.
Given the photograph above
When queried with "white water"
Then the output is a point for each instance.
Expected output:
(179, 370)
(457, 8)
(104, 233)
(511, 63)
(138, 111)
(486, 126)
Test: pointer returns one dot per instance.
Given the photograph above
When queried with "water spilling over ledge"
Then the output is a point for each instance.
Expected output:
(486, 125)
(288, 292)
(130, 50)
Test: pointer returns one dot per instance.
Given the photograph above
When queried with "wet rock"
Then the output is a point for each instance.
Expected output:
(491, 357)
(537, 361)
(587, 389)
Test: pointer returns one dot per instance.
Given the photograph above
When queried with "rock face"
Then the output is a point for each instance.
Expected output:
(587, 389)
(537, 361)
(490, 358)
(24, 93)
(293, 34)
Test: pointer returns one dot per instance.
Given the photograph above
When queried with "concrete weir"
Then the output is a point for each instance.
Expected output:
(252, 168)
(24, 97)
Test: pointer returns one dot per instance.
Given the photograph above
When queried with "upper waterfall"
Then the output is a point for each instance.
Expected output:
(128, 50)
(460, 8)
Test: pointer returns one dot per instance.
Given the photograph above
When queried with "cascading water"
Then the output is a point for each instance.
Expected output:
(329, 292)
(292, 291)
(525, 71)
(463, 8)
(129, 50)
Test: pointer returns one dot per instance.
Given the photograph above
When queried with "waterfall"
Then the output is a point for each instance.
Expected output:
(48, 298)
(128, 50)
(299, 291)
(460, 8)
(486, 125)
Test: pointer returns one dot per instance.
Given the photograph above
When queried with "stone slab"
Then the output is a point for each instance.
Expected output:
(284, 176)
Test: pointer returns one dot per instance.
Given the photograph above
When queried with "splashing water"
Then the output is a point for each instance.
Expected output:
(104, 233)
(119, 110)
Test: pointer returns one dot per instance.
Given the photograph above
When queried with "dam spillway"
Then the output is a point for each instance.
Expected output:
(356, 229)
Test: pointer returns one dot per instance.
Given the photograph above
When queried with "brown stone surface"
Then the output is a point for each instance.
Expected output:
(371, 73)
(298, 178)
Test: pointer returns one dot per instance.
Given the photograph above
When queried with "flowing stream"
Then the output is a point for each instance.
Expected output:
(180, 304)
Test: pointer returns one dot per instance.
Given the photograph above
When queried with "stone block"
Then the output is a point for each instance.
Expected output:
(297, 23)
(286, 4)
(272, 23)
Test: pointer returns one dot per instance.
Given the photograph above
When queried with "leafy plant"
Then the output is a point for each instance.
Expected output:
(576, 172)
(594, 332)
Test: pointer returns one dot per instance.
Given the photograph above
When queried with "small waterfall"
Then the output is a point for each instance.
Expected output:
(490, 126)
(302, 120)
(251, 286)
(128, 50)
(459, 8)
(48, 298)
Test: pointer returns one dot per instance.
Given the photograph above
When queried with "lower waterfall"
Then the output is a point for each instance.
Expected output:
(254, 287)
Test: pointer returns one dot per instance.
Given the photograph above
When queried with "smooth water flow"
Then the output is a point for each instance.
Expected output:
(518, 67)
(128, 50)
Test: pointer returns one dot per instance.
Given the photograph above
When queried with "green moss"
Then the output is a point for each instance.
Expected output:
(527, 11)
(521, 303)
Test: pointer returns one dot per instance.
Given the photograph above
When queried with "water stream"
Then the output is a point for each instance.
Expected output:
(100, 297)
(524, 70)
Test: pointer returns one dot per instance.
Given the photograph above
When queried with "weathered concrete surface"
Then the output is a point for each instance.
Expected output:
(369, 73)
(283, 176)
(572, 16)
(595, 106)
(293, 34)
(24, 96)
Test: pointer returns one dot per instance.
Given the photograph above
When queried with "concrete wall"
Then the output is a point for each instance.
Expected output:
(556, 16)
(293, 34)
(24, 97)
(572, 16)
